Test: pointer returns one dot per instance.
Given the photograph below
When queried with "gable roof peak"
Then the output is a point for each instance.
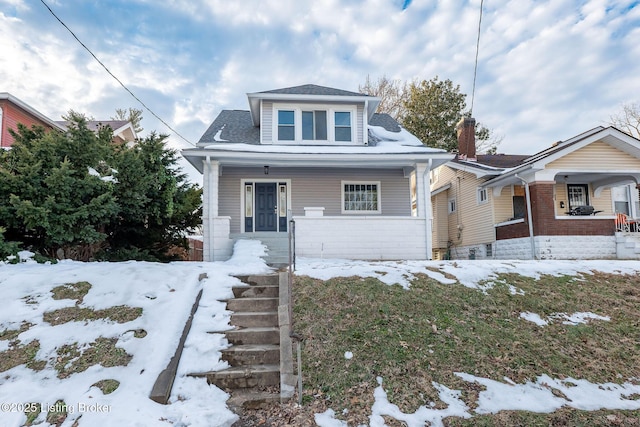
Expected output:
(311, 89)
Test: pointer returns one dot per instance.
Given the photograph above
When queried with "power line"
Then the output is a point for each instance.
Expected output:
(475, 67)
(112, 75)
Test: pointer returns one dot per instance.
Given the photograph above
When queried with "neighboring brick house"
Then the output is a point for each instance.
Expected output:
(14, 111)
(577, 190)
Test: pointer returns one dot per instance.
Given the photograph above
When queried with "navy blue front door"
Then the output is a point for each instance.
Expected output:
(266, 206)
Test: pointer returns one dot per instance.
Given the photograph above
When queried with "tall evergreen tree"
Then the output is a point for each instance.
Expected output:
(51, 200)
(157, 204)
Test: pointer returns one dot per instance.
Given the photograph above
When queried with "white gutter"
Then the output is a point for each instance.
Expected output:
(529, 216)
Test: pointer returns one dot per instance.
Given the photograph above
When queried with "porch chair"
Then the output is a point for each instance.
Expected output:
(622, 222)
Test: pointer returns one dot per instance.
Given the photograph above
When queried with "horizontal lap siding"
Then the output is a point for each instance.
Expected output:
(316, 187)
(503, 204)
(596, 156)
(11, 116)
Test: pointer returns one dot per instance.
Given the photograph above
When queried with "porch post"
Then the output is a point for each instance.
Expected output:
(210, 207)
(423, 193)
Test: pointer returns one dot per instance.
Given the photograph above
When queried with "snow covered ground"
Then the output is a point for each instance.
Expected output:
(166, 293)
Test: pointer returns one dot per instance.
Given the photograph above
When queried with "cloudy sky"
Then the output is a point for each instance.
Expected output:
(548, 69)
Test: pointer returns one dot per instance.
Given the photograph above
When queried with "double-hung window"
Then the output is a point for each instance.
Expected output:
(286, 125)
(482, 196)
(360, 197)
(343, 125)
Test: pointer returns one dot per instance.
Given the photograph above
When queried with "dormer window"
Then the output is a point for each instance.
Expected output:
(343, 125)
(286, 125)
(314, 124)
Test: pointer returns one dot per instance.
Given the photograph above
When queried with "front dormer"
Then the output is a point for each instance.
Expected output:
(312, 115)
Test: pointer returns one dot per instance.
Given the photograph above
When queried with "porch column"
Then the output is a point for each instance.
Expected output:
(423, 195)
(210, 206)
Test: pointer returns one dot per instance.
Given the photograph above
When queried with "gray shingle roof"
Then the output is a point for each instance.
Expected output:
(310, 89)
(236, 126)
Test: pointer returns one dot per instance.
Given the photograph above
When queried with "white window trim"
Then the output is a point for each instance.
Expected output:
(350, 212)
(479, 197)
(452, 205)
(331, 128)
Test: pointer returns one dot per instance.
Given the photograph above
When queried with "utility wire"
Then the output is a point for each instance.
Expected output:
(475, 67)
(112, 75)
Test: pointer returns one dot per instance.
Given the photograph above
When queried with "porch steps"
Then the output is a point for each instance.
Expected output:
(254, 375)
(277, 245)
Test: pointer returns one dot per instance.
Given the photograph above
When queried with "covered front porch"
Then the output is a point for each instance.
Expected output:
(571, 214)
(363, 204)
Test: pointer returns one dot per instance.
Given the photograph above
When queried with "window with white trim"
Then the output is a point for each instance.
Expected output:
(286, 125)
(482, 195)
(342, 120)
(314, 123)
(452, 205)
(360, 197)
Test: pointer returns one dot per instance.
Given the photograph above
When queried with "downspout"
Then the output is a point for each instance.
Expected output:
(527, 196)
(428, 214)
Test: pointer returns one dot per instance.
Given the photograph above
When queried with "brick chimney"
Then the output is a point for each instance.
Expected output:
(466, 131)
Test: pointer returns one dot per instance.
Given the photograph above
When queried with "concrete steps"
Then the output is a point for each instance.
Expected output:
(277, 245)
(254, 354)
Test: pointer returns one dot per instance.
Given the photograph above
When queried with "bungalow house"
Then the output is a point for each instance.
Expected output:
(575, 200)
(352, 182)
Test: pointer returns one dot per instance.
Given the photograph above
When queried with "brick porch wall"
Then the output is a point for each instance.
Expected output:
(546, 224)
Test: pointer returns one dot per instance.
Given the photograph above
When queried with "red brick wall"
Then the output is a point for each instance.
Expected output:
(512, 231)
(11, 116)
(546, 224)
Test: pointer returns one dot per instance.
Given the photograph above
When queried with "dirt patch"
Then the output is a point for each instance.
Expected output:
(75, 291)
(118, 314)
(72, 359)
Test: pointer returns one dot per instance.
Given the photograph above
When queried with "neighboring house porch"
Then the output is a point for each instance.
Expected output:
(577, 199)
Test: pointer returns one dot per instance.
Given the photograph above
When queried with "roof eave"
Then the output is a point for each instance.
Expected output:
(243, 158)
(32, 111)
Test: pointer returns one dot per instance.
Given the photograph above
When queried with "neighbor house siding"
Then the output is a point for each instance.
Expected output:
(599, 154)
(11, 117)
(316, 187)
(503, 205)
(440, 229)
(475, 219)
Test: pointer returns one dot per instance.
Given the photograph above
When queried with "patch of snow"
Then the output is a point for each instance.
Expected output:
(218, 136)
(391, 139)
(381, 148)
(571, 319)
(582, 317)
(538, 396)
(535, 318)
